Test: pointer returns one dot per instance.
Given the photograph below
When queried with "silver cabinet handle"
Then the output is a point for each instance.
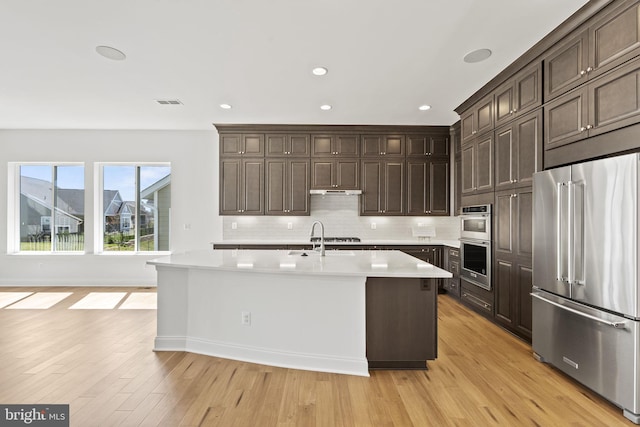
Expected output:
(589, 69)
(589, 126)
(582, 129)
(617, 325)
(583, 72)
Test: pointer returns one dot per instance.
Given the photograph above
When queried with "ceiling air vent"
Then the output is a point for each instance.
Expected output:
(168, 102)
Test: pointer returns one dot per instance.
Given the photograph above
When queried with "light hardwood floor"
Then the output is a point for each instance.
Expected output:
(101, 363)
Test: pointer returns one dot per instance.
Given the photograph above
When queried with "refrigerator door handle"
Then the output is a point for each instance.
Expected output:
(616, 325)
(570, 225)
(559, 266)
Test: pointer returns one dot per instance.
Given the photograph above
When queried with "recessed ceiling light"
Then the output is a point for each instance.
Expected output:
(319, 71)
(111, 53)
(424, 107)
(325, 107)
(477, 56)
(225, 106)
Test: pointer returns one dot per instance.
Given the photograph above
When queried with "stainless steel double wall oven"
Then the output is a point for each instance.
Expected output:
(475, 245)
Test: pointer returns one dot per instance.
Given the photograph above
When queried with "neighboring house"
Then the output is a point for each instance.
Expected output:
(36, 204)
(119, 215)
(157, 199)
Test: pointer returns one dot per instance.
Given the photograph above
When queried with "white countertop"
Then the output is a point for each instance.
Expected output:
(381, 242)
(337, 263)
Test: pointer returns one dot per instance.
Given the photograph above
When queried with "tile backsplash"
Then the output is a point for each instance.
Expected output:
(339, 214)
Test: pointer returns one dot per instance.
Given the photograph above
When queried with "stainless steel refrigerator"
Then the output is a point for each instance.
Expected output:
(585, 276)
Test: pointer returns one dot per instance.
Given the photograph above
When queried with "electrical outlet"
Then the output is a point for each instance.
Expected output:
(234, 225)
(246, 318)
(289, 226)
(187, 226)
(373, 225)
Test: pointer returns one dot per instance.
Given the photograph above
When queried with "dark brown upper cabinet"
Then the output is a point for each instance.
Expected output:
(341, 174)
(519, 95)
(383, 146)
(428, 187)
(607, 43)
(477, 119)
(287, 186)
(383, 187)
(477, 165)
(518, 152)
(242, 186)
(607, 103)
(335, 145)
(428, 146)
(240, 144)
(287, 145)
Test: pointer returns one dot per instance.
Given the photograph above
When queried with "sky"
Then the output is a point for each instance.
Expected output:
(116, 177)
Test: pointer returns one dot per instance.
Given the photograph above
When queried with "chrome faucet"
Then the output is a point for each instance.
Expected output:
(313, 226)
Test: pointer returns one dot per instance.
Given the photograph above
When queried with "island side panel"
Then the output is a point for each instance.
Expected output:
(401, 323)
(311, 322)
(172, 293)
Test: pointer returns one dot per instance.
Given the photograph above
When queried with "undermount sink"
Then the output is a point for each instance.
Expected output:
(331, 253)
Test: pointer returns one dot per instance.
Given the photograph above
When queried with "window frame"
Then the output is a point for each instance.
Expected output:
(14, 215)
(100, 222)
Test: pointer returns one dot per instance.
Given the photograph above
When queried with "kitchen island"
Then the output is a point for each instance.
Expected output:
(344, 312)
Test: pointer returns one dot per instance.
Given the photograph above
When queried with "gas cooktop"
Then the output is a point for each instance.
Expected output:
(336, 239)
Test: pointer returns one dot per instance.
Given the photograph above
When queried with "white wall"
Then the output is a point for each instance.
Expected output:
(194, 158)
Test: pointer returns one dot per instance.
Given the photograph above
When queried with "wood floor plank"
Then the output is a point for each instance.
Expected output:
(101, 363)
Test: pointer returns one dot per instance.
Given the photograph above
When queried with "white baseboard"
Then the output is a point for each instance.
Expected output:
(263, 356)
(88, 282)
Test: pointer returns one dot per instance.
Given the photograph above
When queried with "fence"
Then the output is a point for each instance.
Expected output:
(42, 242)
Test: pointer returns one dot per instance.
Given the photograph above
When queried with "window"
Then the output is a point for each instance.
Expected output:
(136, 207)
(51, 208)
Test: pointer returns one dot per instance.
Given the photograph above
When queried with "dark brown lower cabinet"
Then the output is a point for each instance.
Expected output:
(512, 288)
(479, 299)
(401, 319)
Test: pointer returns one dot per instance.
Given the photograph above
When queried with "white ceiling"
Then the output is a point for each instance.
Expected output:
(385, 58)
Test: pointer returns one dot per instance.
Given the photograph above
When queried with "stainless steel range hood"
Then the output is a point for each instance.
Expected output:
(336, 192)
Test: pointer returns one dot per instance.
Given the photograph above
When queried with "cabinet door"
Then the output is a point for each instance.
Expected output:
(565, 67)
(504, 220)
(322, 172)
(467, 129)
(287, 187)
(528, 148)
(230, 144)
(504, 103)
(372, 181)
(322, 145)
(347, 175)
(347, 145)
(528, 89)
(524, 222)
(439, 146)
(467, 160)
(372, 145)
(253, 186)
(276, 185)
(504, 291)
(457, 166)
(417, 145)
(298, 186)
(230, 180)
(484, 163)
(417, 187)
(614, 39)
(394, 189)
(524, 285)
(439, 187)
(484, 116)
(299, 145)
(614, 99)
(252, 145)
(566, 119)
(505, 154)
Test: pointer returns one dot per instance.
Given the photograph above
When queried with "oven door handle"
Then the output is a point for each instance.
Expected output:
(616, 325)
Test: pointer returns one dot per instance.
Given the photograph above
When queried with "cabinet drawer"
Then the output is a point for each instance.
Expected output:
(452, 286)
(454, 268)
(476, 297)
(454, 253)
